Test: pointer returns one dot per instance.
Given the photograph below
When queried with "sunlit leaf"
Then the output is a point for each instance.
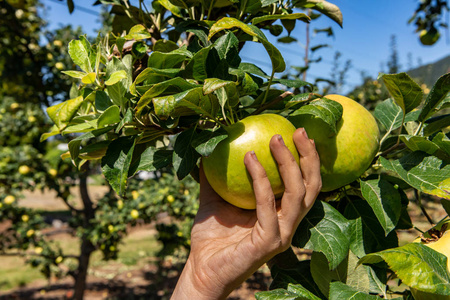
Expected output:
(116, 77)
(428, 174)
(138, 32)
(417, 265)
(80, 55)
(278, 63)
(61, 114)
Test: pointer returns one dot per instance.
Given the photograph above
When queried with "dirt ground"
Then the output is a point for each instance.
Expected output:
(153, 281)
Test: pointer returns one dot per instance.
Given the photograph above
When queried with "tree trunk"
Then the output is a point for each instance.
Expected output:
(87, 247)
(83, 264)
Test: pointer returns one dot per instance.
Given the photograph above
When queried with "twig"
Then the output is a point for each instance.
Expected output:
(70, 206)
(419, 202)
(271, 103)
(395, 147)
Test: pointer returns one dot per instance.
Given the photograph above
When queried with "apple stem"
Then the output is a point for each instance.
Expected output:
(268, 87)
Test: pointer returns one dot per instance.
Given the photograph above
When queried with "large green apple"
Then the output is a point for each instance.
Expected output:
(225, 169)
(441, 245)
(346, 155)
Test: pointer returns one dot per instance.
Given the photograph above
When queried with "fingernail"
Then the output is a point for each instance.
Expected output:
(312, 141)
(280, 138)
(253, 155)
(304, 133)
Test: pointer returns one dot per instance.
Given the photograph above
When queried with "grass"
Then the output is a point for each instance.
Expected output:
(136, 251)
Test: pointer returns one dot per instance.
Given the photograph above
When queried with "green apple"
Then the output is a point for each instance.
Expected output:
(225, 169)
(441, 245)
(429, 37)
(346, 155)
(24, 169)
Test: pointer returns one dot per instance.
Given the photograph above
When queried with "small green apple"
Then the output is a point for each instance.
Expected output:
(24, 170)
(346, 155)
(225, 169)
(429, 37)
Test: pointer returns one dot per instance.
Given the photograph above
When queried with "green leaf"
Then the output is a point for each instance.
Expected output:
(339, 291)
(443, 142)
(206, 141)
(385, 201)
(161, 60)
(102, 101)
(293, 292)
(116, 77)
(249, 86)
(197, 65)
(152, 159)
(417, 265)
(127, 119)
(280, 294)
(89, 78)
(365, 232)
(184, 155)
(149, 73)
(227, 47)
(80, 55)
(212, 84)
(227, 94)
(405, 92)
(437, 94)
(428, 174)
(286, 40)
(78, 128)
(74, 145)
(251, 6)
(329, 9)
(435, 124)
(324, 230)
(389, 114)
(186, 103)
(359, 277)
(322, 274)
(419, 143)
(138, 32)
(446, 205)
(94, 151)
(252, 69)
(295, 16)
(110, 116)
(327, 110)
(292, 83)
(116, 163)
(170, 7)
(278, 64)
(61, 114)
(176, 84)
(165, 46)
(299, 274)
(53, 131)
(75, 74)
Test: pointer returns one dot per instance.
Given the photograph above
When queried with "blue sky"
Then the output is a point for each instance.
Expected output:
(364, 38)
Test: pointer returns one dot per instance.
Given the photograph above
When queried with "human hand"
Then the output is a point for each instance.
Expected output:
(228, 244)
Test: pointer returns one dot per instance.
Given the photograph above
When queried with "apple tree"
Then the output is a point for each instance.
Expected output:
(159, 91)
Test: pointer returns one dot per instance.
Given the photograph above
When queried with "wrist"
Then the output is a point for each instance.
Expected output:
(191, 286)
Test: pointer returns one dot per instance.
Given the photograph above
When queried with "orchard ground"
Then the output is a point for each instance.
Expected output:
(137, 273)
